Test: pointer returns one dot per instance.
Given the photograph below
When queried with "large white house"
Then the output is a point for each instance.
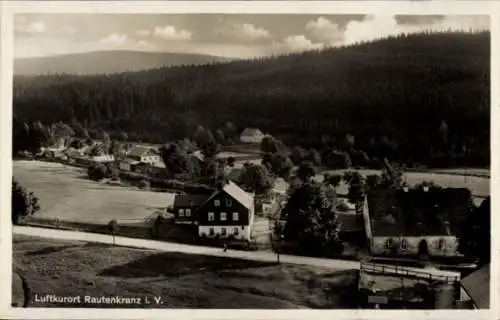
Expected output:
(146, 155)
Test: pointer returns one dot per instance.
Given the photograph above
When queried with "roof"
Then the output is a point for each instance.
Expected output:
(139, 151)
(251, 132)
(413, 213)
(198, 155)
(240, 195)
(129, 161)
(477, 286)
(189, 200)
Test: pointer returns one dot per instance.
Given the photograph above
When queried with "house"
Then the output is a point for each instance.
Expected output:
(197, 157)
(229, 212)
(127, 164)
(185, 207)
(252, 135)
(146, 155)
(415, 222)
(103, 158)
(475, 290)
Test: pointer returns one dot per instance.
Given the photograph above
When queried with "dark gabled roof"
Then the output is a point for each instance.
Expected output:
(477, 286)
(251, 132)
(413, 213)
(234, 191)
(193, 200)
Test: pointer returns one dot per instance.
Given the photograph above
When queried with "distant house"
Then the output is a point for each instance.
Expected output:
(252, 135)
(127, 164)
(146, 155)
(415, 222)
(475, 290)
(103, 158)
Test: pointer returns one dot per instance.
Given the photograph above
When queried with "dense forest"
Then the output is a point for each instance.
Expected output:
(420, 98)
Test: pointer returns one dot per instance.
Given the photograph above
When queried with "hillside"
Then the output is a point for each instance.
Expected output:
(104, 62)
(392, 95)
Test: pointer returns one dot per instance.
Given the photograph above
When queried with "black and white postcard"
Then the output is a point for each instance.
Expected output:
(249, 159)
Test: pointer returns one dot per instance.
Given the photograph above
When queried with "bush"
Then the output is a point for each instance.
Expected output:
(24, 203)
(144, 184)
(97, 171)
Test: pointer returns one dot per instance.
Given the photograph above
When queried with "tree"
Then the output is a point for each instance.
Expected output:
(333, 180)
(97, 171)
(298, 154)
(24, 203)
(372, 182)
(357, 186)
(314, 156)
(475, 234)
(279, 164)
(231, 161)
(229, 130)
(177, 161)
(349, 141)
(271, 145)
(338, 160)
(122, 136)
(212, 171)
(306, 171)
(96, 150)
(219, 136)
(106, 142)
(255, 178)
(311, 221)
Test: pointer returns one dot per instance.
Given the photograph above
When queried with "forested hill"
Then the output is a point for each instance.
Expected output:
(392, 95)
(105, 62)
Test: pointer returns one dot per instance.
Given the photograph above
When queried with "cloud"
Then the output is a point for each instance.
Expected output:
(171, 33)
(115, 39)
(376, 27)
(324, 30)
(297, 43)
(36, 27)
(243, 32)
(143, 32)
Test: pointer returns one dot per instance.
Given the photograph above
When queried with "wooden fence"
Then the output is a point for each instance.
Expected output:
(385, 269)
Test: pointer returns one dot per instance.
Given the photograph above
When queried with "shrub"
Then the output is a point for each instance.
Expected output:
(144, 184)
(97, 171)
(24, 203)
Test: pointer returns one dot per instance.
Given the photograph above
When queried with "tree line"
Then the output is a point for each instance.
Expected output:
(421, 98)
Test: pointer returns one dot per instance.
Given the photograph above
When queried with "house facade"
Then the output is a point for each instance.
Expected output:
(252, 135)
(402, 226)
(228, 213)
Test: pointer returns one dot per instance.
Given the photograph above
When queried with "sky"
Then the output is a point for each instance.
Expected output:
(230, 35)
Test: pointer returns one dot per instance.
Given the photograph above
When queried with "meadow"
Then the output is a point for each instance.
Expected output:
(65, 192)
(70, 268)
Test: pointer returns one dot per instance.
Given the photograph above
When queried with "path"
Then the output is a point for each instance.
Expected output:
(201, 250)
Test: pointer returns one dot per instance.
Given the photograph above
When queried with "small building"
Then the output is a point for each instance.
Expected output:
(103, 158)
(415, 222)
(185, 207)
(127, 164)
(475, 290)
(146, 155)
(252, 135)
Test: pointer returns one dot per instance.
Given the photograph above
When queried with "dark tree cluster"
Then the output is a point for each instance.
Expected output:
(24, 203)
(419, 99)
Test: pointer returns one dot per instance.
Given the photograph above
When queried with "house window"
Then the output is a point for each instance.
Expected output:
(229, 202)
(217, 203)
(236, 216)
(236, 231)
(223, 231)
(223, 216)
(211, 231)
(211, 216)
(388, 244)
(181, 212)
(188, 212)
(404, 244)
(442, 244)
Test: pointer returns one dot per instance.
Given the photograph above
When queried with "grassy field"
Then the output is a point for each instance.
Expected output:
(68, 268)
(478, 186)
(66, 193)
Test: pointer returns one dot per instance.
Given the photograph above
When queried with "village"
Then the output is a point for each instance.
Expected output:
(407, 233)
